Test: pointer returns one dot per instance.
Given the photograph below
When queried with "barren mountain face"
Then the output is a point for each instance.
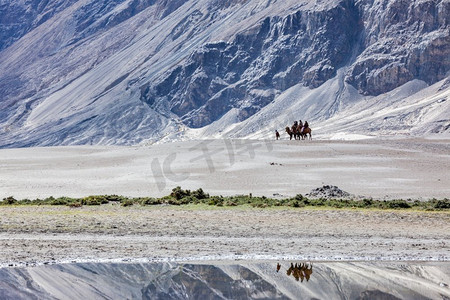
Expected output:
(130, 71)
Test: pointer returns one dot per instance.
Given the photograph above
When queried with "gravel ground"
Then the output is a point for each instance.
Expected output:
(413, 168)
(48, 234)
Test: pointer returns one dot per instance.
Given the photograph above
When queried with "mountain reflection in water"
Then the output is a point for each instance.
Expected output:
(229, 280)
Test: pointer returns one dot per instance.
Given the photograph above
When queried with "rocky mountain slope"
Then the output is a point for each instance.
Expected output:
(132, 71)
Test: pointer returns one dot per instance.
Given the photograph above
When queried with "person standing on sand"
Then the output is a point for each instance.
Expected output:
(277, 134)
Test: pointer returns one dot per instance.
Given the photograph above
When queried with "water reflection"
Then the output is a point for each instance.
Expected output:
(299, 271)
(229, 280)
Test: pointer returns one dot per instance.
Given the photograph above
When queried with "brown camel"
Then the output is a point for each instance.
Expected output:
(288, 131)
(289, 271)
(308, 271)
(303, 132)
(295, 132)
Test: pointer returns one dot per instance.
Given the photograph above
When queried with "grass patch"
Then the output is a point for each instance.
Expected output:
(179, 196)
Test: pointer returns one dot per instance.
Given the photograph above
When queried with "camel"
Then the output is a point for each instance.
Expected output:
(297, 133)
(308, 271)
(297, 274)
(305, 132)
(289, 131)
(290, 270)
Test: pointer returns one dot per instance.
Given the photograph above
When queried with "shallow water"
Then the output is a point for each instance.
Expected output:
(229, 280)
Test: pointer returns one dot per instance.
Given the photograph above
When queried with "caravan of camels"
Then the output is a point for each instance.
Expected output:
(298, 131)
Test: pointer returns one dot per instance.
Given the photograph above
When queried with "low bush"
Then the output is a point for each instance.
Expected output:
(114, 198)
(25, 202)
(200, 194)
(127, 202)
(178, 196)
(216, 200)
(9, 201)
(441, 204)
(149, 201)
(179, 193)
(296, 203)
(182, 201)
(396, 204)
(60, 201)
(94, 200)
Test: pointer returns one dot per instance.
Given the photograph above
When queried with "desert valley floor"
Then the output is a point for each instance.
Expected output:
(382, 169)
(378, 168)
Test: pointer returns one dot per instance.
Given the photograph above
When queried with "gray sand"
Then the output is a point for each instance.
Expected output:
(383, 169)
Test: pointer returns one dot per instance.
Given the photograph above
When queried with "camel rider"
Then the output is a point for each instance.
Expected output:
(294, 127)
(300, 126)
(306, 124)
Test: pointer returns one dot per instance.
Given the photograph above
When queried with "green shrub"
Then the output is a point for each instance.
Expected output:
(24, 202)
(150, 201)
(178, 196)
(200, 194)
(229, 202)
(9, 200)
(127, 202)
(114, 198)
(215, 200)
(259, 204)
(441, 204)
(295, 203)
(299, 197)
(396, 204)
(182, 201)
(338, 203)
(94, 200)
(179, 193)
(318, 202)
(367, 202)
(37, 202)
(49, 200)
(60, 201)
